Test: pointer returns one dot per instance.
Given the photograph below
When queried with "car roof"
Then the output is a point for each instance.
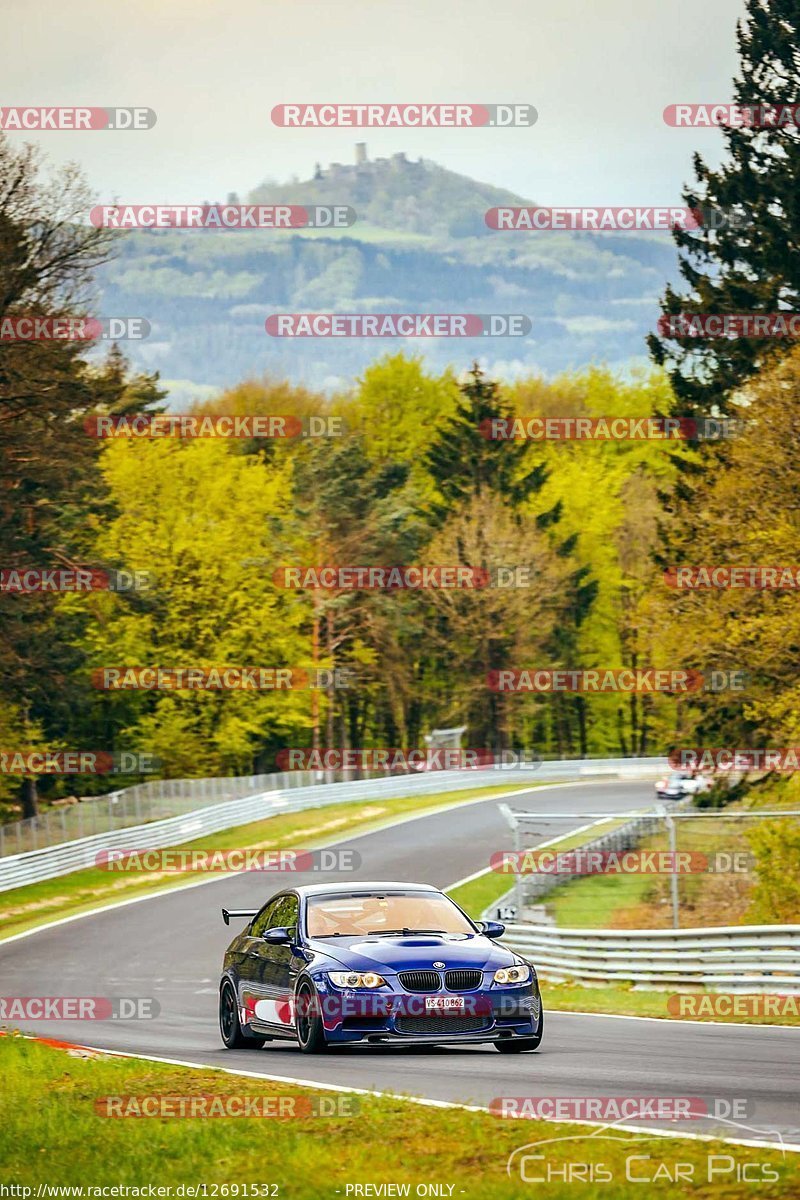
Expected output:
(357, 887)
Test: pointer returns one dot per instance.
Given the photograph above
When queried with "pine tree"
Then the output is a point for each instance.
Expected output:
(751, 261)
(465, 463)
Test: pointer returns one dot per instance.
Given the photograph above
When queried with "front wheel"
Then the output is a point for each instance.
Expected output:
(308, 1021)
(519, 1045)
(229, 1027)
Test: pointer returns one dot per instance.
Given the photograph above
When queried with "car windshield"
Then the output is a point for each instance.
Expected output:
(391, 912)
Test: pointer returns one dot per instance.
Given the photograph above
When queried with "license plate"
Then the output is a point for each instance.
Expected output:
(444, 1004)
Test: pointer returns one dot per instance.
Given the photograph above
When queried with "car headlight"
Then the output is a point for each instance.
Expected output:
(356, 979)
(519, 973)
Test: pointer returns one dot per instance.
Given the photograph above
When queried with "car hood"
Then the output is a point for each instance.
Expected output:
(414, 952)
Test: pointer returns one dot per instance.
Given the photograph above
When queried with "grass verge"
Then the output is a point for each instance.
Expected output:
(54, 1135)
(626, 1000)
(707, 897)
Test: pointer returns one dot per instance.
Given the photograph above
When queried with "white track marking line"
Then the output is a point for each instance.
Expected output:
(539, 846)
(425, 1101)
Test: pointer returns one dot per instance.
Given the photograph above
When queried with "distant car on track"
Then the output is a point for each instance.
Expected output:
(680, 784)
(375, 962)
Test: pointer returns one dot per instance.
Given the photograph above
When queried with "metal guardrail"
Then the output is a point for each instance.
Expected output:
(743, 957)
(530, 888)
(16, 870)
(153, 800)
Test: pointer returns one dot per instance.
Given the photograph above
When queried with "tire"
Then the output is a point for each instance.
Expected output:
(519, 1045)
(229, 1027)
(308, 1026)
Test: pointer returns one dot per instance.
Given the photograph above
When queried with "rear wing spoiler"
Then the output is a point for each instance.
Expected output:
(237, 912)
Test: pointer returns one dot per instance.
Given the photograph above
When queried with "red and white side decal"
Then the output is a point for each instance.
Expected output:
(277, 1012)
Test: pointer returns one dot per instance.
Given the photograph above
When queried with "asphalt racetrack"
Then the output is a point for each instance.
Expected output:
(170, 947)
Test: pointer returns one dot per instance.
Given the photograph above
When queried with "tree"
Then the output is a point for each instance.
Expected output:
(349, 510)
(48, 481)
(744, 515)
(464, 462)
(606, 494)
(508, 623)
(203, 519)
(397, 409)
(746, 256)
(489, 513)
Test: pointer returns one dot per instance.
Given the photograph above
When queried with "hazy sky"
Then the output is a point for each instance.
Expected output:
(600, 72)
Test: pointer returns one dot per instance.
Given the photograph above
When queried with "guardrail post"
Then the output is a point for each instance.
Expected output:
(673, 882)
(519, 894)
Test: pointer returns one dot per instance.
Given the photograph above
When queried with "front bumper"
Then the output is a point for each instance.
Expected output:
(396, 1015)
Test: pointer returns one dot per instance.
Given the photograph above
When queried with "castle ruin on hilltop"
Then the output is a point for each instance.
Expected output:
(363, 166)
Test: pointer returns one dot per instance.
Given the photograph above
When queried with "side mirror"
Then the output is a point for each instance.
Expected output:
(279, 936)
(492, 929)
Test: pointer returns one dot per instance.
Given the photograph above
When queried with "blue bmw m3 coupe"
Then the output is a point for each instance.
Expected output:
(374, 962)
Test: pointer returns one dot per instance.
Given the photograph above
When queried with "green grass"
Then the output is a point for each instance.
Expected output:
(37, 903)
(487, 888)
(592, 903)
(477, 895)
(706, 898)
(52, 1134)
(626, 1000)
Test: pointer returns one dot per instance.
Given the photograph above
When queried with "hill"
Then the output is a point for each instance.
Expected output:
(397, 194)
(420, 245)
